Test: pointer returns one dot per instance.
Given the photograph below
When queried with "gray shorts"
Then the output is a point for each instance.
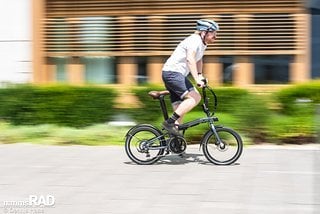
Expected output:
(177, 84)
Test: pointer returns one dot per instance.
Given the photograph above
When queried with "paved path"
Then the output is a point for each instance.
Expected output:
(102, 180)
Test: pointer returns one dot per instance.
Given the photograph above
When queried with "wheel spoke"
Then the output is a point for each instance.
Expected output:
(139, 142)
(226, 152)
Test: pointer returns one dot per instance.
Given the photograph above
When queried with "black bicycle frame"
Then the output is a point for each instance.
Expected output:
(197, 122)
(163, 107)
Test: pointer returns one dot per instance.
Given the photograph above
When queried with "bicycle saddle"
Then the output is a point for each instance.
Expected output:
(157, 94)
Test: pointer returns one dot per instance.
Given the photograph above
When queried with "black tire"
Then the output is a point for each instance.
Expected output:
(222, 156)
(136, 139)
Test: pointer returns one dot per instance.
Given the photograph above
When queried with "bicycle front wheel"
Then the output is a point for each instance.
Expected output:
(225, 152)
(144, 144)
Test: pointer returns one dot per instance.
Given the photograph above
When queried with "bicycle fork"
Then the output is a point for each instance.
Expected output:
(219, 142)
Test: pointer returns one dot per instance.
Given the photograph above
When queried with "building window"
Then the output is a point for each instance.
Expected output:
(99, 70)
(142, 76)
(271, 69)
(95, 34)
(61, 70)
(228, 69)
(315, 44)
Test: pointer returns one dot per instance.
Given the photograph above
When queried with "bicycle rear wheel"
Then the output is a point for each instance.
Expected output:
(144, 144)
(222, 154)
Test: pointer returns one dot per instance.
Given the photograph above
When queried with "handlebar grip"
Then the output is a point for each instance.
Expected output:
(205, 81)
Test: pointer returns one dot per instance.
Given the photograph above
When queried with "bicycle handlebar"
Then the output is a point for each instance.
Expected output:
(205, 81)
(205, 104)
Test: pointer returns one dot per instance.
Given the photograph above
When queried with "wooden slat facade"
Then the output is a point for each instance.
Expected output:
(152, 28)
(63, 8)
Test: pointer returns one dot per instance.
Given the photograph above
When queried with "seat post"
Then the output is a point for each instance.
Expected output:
(163, 107)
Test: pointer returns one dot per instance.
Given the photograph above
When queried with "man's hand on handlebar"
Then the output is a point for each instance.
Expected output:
(201, 81)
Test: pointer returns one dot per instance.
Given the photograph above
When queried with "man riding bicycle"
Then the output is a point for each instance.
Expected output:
(186, 59)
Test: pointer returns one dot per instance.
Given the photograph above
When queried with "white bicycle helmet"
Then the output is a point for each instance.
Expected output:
(207, 25)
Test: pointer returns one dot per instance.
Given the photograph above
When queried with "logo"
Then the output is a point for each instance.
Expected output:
(41, 200)
(33, 204)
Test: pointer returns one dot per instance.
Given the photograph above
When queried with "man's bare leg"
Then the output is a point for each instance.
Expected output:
(191, 100)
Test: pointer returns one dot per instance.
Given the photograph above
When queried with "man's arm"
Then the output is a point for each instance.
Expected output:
(199, 68)
(195, 67)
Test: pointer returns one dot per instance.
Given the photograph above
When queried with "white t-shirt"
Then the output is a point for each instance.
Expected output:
(178, 60)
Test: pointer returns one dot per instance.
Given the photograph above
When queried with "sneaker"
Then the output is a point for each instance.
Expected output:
(171, 128)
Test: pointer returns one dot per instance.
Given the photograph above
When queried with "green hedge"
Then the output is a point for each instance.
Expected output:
(150, 110)
(228, 99)
(299, 99)
(252, 115)
(61, 105)
(247, 113)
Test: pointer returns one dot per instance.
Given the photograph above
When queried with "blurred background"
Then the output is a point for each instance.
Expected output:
(77, 72)
(126, 42)
(262, 47)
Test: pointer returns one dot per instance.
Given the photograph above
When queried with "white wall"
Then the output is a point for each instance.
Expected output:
(15, 41)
